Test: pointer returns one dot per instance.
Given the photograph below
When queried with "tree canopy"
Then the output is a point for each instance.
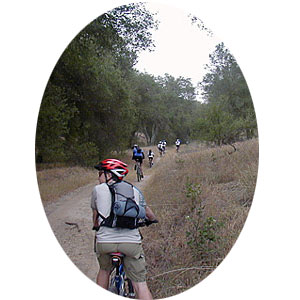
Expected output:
(96, 102)
(228, 114)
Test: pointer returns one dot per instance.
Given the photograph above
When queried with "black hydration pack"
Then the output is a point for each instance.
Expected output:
(125, 212)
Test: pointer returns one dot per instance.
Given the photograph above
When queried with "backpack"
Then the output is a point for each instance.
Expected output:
(138, 153)
(125, 212)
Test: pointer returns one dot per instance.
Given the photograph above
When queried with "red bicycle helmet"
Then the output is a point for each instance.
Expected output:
(115, 166)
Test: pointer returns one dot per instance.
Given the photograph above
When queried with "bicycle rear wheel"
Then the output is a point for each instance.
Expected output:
(150, 163)
(117, 284)
(138, 174)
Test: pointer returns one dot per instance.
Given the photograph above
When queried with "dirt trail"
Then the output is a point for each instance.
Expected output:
(77, 241)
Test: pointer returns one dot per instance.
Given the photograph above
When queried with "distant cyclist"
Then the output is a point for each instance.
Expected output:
(177, 143)
(134, 148)
(138, 156)
(150, 157)
(160, 148)
(134, 151)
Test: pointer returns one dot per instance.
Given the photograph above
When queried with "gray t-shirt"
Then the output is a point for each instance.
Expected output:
(101, 201)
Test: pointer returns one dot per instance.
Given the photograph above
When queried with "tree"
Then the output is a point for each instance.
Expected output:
(164, 106)
(224, 87)
(52, 126)
(150, 108)
(91, 83)
(179, 97)
(199, 23)
(217, 126)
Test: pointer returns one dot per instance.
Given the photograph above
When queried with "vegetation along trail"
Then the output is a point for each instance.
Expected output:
(201, 197)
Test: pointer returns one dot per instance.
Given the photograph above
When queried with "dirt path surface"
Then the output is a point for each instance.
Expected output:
(76, 237)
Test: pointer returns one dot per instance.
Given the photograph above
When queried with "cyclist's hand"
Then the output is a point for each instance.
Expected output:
(148, 222)
(96, 228)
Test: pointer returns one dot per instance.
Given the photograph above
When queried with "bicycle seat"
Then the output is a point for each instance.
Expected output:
(116, 254)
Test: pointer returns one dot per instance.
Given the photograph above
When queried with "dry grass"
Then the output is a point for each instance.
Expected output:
(58, 181)
(225, 185)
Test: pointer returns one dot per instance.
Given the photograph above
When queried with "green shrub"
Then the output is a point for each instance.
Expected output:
(203, 231)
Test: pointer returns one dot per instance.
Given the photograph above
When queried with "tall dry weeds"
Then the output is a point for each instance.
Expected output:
(58, 181)
(201, 197)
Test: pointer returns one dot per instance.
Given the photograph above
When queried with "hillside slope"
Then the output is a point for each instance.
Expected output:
(201, 197)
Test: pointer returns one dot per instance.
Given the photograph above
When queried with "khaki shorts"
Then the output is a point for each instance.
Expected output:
(134, 260)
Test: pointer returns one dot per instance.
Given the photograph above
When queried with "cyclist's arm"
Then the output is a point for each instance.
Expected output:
(95, 218)
(150, 214)
(94, 209)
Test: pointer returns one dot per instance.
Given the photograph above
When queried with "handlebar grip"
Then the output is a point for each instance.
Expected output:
(154, 221)
(148, 222)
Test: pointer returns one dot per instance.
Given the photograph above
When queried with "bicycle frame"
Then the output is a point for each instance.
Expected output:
(138, 170)
(117, 281)
(150, 162)
(160, 152)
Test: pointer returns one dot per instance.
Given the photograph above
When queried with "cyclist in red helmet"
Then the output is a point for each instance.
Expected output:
(117, 168)
(115, 239)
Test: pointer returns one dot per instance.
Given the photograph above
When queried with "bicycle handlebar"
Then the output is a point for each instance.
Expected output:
(147, 223)
(140, 224)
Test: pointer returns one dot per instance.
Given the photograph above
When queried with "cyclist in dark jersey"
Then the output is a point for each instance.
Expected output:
(138, 155)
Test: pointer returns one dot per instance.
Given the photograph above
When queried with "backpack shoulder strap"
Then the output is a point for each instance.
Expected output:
(113, 193)
(128, 183)
(110, 217)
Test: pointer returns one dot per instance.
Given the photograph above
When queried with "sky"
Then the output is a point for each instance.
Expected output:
(182, 49)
